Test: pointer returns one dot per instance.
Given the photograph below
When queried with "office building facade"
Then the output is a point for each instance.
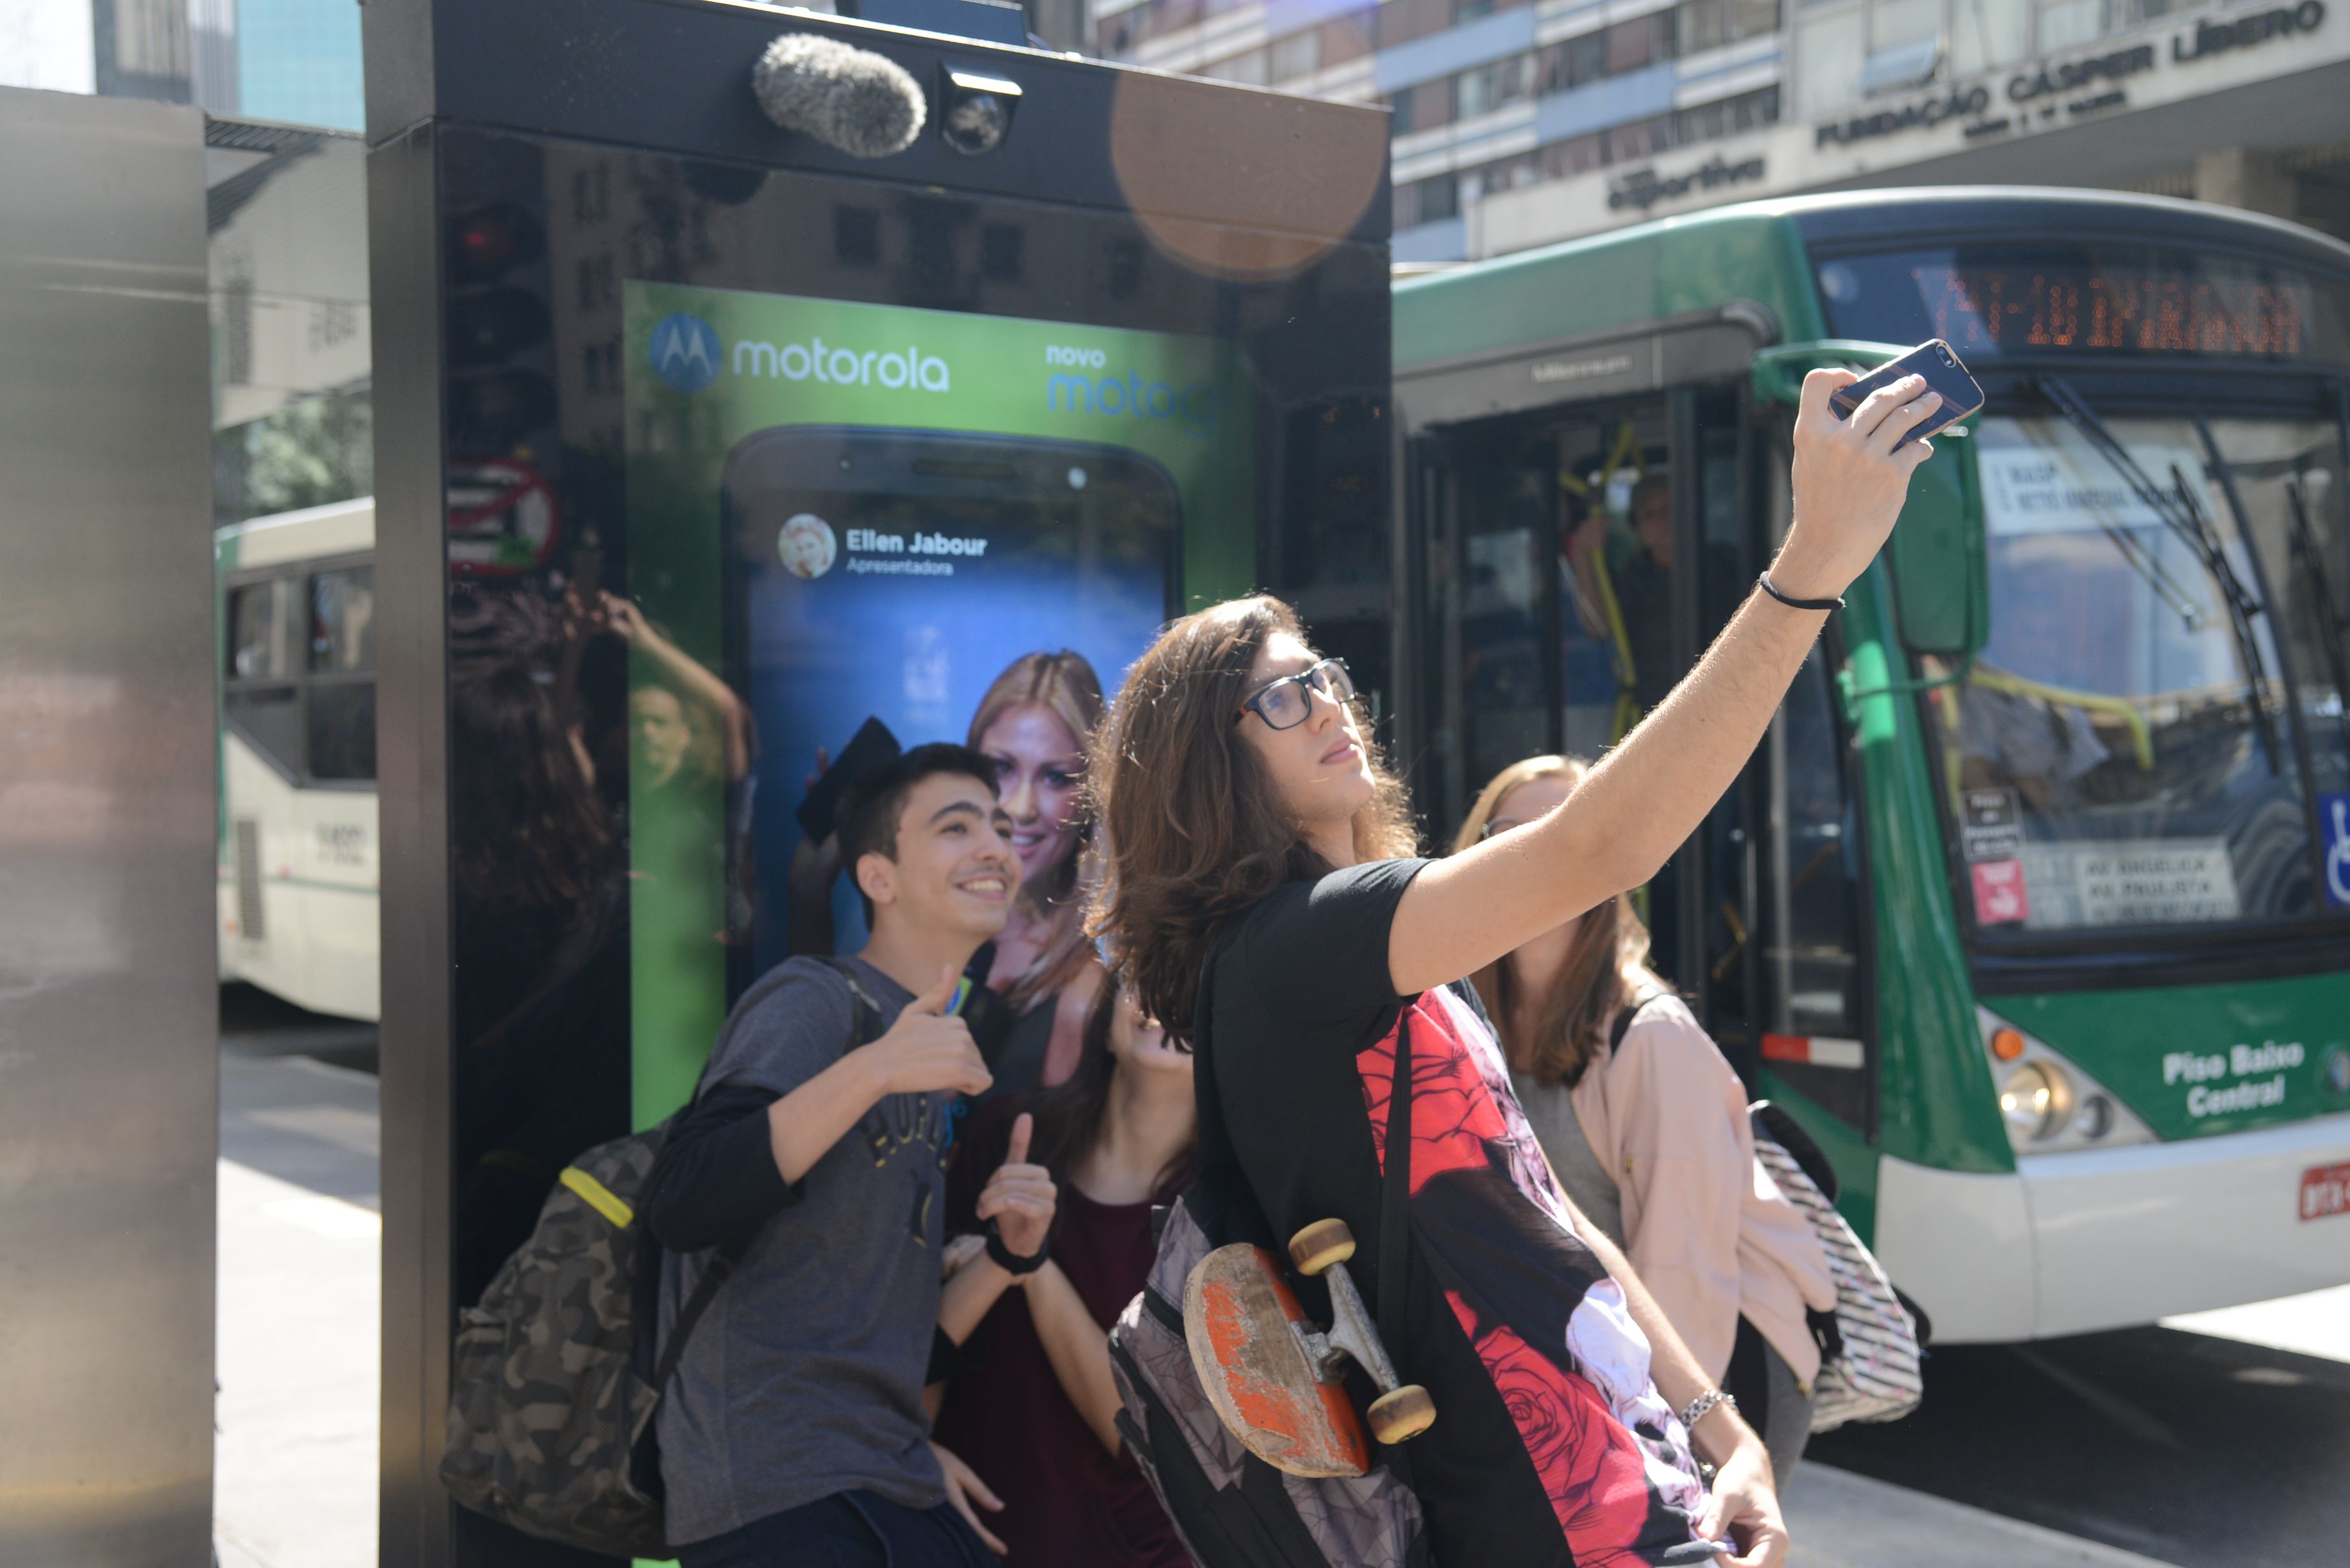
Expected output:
(1521, 123)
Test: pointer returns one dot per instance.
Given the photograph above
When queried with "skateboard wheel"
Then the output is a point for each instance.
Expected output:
(1321, 1244)
(1402, 1415)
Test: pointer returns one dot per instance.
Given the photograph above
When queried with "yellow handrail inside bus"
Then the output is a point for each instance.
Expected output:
(2122, 708)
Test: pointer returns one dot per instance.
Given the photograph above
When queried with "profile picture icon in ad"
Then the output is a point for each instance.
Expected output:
(807, 544)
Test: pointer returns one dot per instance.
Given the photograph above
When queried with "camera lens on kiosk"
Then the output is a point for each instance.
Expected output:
(977, 112)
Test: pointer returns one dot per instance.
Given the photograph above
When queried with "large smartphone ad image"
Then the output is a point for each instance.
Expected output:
(919, 578)
(856, 527)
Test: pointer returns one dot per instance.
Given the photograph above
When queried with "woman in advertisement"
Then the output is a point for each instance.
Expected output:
(1262, 902)
(1036, 723)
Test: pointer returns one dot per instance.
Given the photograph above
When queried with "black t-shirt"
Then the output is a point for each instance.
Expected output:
(1551, 1445)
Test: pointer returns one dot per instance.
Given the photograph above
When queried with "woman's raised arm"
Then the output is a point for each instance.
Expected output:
(1650, 793)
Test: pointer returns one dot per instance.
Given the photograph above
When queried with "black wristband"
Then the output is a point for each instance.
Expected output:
(1004, 1258)
(1773, 589)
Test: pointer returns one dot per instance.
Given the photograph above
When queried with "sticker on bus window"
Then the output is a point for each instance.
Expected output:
(2334, 828)
(1991, 825)
(2000, 898)
(2063, 486)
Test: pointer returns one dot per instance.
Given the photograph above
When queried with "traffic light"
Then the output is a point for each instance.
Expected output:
(498, 324)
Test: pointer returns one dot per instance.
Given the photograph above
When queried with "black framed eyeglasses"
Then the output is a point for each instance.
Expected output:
(1286, 703)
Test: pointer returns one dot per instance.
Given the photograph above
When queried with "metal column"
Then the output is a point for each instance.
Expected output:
(108, 1008)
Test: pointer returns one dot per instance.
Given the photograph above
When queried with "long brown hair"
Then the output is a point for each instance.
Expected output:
(1197, 832)
(1065, 685)
(1569, 1031)
(1071, 1114)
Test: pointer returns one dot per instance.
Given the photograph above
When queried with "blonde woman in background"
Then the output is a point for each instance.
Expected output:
(1647, 1128)
(1034, 724)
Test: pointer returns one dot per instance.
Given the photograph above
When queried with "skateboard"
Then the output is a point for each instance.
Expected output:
(1274, 1376)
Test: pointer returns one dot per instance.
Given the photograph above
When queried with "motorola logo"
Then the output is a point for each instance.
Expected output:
(685, 352)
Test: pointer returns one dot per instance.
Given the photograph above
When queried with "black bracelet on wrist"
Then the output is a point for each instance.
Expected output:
(1773, 589)
(1011, 1262)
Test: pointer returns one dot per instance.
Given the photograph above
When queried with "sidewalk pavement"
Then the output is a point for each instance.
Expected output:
(300, 1235)
(294, 1474)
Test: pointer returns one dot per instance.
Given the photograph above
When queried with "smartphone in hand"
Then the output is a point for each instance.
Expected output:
(1944, 373)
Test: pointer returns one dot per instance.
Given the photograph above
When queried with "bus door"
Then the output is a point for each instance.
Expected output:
(1571, 568)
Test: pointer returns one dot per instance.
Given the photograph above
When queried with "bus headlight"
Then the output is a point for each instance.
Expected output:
(2036, 1100)
(2050, 1104)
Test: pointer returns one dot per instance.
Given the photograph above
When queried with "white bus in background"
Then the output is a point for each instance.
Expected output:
(299, 870)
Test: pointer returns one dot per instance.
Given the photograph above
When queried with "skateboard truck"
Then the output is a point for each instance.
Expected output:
(1403, 1410)
(1274, 1376)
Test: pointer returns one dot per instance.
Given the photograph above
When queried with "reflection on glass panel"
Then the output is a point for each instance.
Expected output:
(270, 719)
(342, 620)
(342, 731)
(1829, 51)
(260, 627)
(2121, 754)
(1988, 33)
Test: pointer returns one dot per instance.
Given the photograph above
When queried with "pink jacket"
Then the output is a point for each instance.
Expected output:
(1706, 1228)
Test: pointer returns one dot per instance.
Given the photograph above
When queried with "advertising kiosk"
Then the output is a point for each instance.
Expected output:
(705, 447)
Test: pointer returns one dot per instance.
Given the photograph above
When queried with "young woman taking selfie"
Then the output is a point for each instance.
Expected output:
(1262, 904)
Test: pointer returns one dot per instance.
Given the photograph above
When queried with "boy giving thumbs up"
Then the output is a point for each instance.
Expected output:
(795, 1430)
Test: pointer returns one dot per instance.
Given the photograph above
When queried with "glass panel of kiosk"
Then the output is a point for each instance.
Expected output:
(742, 463)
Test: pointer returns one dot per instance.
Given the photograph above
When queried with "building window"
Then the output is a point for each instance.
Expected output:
(1643, 41)
(299, 684)
(1489, 88)
(1829, 52)
(1348, 37)
(1892, 22)
(1433, 201)
(1987, 34)
(1298, 54)
(1711, 24)
(1247, 70)
(1401, 21)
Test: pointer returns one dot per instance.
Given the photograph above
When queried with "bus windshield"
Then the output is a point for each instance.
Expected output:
(2157, 721)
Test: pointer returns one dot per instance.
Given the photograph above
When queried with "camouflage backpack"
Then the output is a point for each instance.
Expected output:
(549, 1407)
(552, 1386)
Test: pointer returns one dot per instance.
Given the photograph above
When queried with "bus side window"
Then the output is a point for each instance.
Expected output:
(260, 634)
(341, 719)
(260, 699)
(1815, 1040)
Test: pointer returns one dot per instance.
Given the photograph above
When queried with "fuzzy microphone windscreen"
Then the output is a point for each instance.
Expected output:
(865, 104)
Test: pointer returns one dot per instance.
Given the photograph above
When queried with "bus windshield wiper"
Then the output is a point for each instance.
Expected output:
(2177, 509)
(2179, 602)
(2242, 605)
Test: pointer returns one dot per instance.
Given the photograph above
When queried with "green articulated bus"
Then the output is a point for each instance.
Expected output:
(2035, 907)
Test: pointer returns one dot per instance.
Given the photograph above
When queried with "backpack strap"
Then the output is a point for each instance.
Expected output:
(1395, 1198)
(1625, 1016)
(864, 1025)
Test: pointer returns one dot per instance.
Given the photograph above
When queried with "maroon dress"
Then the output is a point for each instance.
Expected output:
(1067, 1502)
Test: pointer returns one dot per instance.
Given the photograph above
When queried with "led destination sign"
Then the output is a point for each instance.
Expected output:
(2055, 305)
(2007, 309)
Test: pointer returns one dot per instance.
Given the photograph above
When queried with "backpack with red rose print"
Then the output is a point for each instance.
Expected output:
(1231, 1508)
